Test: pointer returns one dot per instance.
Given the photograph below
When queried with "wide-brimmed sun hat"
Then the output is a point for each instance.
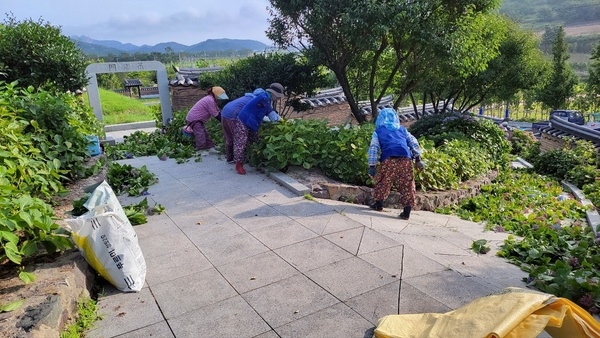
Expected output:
(276, 89)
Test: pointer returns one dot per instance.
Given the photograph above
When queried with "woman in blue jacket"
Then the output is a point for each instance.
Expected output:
(249, 120)
(394, 148)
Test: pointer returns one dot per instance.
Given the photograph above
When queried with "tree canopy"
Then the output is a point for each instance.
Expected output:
(376, 48)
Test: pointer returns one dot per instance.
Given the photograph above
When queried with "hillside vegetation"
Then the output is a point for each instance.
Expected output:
(539, 13)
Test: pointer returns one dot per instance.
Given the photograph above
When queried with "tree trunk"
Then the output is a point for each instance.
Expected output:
(414, 104)
(343, 80)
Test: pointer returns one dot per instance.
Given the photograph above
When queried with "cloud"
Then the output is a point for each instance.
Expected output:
(155, 22)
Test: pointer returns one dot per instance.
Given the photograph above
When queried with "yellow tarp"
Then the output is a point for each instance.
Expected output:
(516, 313)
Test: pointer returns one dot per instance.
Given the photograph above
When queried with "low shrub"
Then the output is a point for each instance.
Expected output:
(522, 142)
(446, 127)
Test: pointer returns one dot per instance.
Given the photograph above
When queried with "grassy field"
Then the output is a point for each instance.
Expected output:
(118, 108)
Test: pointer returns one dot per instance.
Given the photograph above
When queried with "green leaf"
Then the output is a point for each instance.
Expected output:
(27, 277)
(12, 252)
(29, 248)
(12, 238)
(12, 306)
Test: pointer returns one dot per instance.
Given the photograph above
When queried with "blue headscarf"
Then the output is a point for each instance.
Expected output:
(388, 117)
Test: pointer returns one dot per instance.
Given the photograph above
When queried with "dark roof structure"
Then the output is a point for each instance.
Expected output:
(132, 83)
(191, 76)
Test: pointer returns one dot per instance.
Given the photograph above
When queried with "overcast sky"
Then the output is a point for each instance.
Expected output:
(150, 21)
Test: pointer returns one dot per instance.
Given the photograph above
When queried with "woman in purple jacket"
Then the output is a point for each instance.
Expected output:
(201, 112)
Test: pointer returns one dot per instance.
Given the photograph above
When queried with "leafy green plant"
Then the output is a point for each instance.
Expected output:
(469, 158)
(128, 179)
(440, 173)
(12, 306)
(592, 192)
(576, 161)
(560, 254)
(87, 315)
(27, 227)
(522, 142)
(136, 213)
(344, 154)
(168, 144)
(556, 163)
(58, 125)
(289, 143)
(480, 246)
(445, 127)
(581, 175)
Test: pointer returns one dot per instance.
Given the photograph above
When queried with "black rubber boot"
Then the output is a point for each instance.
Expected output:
(406, 213)
(378, 205)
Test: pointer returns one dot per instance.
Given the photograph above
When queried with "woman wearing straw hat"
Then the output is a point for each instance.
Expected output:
(201, 112)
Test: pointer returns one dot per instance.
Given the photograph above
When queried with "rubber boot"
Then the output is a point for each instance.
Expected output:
(239, 167)
(378, 206)
(406, 213)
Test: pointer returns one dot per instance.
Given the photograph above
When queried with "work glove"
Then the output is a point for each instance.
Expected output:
(419, 165)
(372, 171)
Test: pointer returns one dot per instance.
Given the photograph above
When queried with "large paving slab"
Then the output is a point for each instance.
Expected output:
(243, 256)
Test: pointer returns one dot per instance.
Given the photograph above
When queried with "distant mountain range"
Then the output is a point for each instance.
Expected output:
(106, 47)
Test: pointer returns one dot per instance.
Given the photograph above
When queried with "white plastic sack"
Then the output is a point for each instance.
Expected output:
(108, 242)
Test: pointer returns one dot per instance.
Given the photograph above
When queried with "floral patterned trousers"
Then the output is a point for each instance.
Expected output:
(396, 173)
(242, 137)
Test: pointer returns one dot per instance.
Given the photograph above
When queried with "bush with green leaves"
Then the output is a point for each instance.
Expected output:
(344, 154)
(27, 227)
(575, 161)
(58, 124)
(445, 127)
(258, 71)
(339, 152)
(469, 159)
(440, 171)
(289, 143)
(35, 53)
(592, 192)
(22, 164)
(522, 142)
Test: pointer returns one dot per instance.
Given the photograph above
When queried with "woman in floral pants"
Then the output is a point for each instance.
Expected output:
(394, 148)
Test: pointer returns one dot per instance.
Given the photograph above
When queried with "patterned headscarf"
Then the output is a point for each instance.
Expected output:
(388, 117)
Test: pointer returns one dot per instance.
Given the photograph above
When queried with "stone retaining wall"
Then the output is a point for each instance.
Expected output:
(50, 303)
(428, 201)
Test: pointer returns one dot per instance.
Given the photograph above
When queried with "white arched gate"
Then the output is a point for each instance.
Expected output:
(124, 67)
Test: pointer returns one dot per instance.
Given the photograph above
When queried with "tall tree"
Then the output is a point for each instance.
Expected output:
(593, 82)
(518, 65)
(330, 32)
(561, 84)
(374, 47)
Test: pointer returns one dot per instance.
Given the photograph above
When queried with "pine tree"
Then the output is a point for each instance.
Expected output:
(561, 85)
(593, 82)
